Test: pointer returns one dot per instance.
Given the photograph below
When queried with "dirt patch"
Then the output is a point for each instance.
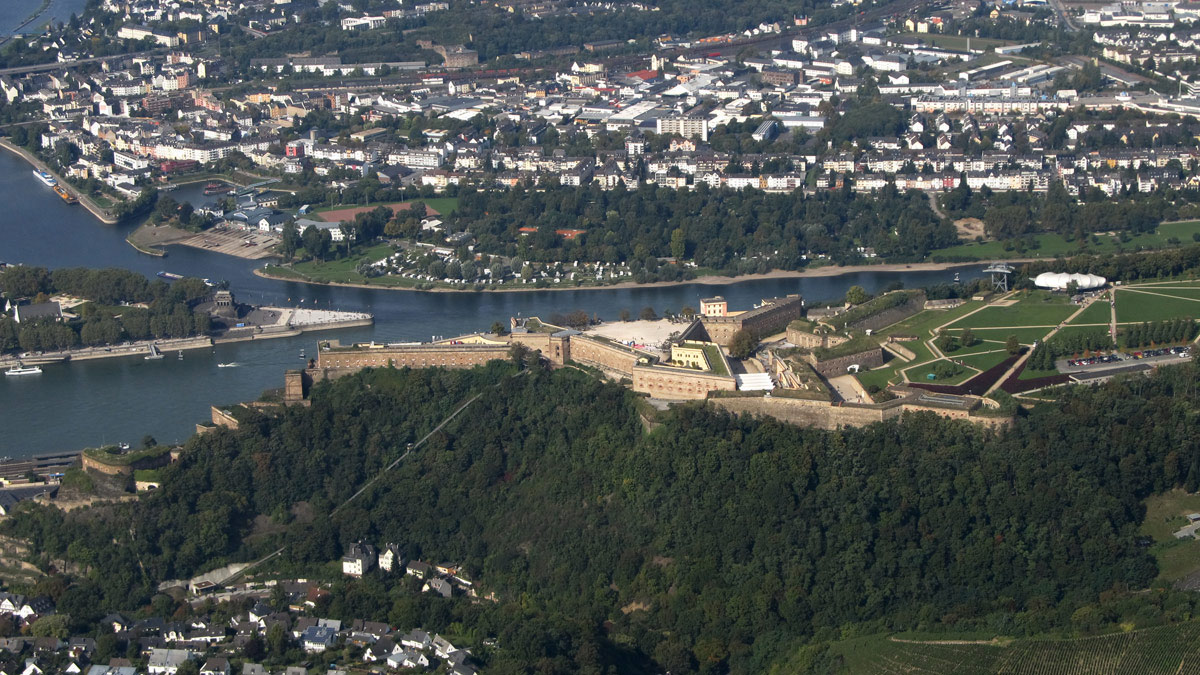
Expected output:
(339, 215)
(152, 238)
(969, 228)
(635, 606)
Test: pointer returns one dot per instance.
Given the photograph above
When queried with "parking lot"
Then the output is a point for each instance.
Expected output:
(1103, 362)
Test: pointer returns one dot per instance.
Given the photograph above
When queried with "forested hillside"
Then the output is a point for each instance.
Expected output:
(710, 543)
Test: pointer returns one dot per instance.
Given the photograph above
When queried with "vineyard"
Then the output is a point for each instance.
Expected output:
(1163, 649)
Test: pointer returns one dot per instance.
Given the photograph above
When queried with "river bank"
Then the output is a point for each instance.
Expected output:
(291, 322)
(707, 280)
(100, 214)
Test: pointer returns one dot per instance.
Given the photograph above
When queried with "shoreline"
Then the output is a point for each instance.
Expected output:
(84, 200)
(142, 347)
(707, 280)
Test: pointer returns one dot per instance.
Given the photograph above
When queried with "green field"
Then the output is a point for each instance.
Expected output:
(879, 377)
(984, 361)
(1052, 245)
(1134, 307)
(1174, 292)
(342, 270)
(1097, 312)
(1035, 310)
(1161, 649)
(989, 340)
(921, 374)
(922, 323)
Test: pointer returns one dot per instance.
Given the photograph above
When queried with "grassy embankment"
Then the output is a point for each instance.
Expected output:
(1167, 235)
(1161, 649)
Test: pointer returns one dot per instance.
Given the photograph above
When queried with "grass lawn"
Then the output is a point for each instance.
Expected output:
(985, 342)
(922, 323)
(1165, 513)
(1032, 311)
(343, 269)
(712, 353)
(1160, 649)
(1031, 374)
(1051, 245)
(998, 336)
(1187, 281)
(1097, 312)
(283, 272)
(880, 377)
(921, 374)
(1176, 559)
(1133, 307)
(1185, 293)
(984, 361)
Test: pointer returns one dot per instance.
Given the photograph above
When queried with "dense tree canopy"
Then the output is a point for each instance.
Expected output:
(738, 539)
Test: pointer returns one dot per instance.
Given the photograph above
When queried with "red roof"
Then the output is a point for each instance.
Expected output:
(645, 74)
(569, 234)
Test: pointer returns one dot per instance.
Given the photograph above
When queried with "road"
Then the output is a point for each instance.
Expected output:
(1064, 18)
(20, 70)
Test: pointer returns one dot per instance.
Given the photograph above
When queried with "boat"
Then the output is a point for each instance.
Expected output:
(169, 187)
(154, 354)
(301, 353)
(232, 364)
(66, 196)
(170, 276)
(956, 278)
(45, 178)
(23, 370)
(216, 189)
(180, 354)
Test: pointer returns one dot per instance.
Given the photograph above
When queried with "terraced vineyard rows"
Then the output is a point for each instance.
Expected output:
(1164, 649)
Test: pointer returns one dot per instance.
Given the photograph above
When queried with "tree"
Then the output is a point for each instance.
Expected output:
(290, 241)
(647, 314)
(1012, 345)
(856, 295)
(742, 344)
(968, 338)
(54, 625)
(498, 328)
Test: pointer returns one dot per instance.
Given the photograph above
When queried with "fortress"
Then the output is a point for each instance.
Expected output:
(692, 366)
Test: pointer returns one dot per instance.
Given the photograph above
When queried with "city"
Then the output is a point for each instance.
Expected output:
(656, 337)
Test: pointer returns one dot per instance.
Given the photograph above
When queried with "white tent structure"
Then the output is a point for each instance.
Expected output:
(1058, 281)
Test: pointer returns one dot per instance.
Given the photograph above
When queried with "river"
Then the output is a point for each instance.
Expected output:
(106, 401)
(14, 13)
